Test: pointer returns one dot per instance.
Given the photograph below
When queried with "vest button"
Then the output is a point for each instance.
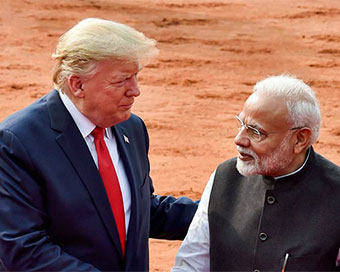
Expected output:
(256, 270)
(271, 200)
(263, 236)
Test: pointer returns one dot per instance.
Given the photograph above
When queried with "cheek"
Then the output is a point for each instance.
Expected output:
(263, 152)
(113, 94)
(260, 150)
(267, 146)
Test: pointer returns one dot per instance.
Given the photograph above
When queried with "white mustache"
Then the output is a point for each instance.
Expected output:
(246, 151)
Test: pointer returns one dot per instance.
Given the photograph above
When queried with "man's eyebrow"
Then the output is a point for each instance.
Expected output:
(126, 74)
(120, 75)
(252, 123)
(256, 125)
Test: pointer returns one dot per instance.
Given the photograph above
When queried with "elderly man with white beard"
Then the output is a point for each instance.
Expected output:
(275, 207)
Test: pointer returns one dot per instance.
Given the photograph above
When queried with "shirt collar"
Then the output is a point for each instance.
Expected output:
(298, 170)
(84, 125)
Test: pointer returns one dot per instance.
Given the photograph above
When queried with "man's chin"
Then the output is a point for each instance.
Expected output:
(245, 168)
(122, 118)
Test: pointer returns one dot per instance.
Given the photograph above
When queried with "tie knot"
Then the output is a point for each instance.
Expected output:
(98, 133)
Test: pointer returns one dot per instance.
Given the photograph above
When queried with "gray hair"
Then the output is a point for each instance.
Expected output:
(300, 99)
(93, 40)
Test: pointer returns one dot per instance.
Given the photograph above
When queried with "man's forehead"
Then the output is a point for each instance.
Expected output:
(265, 102)
(265, 110)
(121, 68)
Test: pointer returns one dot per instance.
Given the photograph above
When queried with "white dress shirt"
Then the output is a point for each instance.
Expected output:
(193, 254)
(85, 127)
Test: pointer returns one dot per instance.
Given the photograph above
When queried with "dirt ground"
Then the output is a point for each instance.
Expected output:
(211, 54)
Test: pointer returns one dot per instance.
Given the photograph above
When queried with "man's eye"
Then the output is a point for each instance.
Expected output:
(120, 82)
(254, 131)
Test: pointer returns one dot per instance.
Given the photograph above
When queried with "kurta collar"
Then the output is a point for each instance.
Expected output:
(296, 171)
(295, 174)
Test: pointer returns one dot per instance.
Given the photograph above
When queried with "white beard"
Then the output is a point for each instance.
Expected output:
(268, 164)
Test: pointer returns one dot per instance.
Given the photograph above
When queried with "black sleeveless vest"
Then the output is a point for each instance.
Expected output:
(255, 221)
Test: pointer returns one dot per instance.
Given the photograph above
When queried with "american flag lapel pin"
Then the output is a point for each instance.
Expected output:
(126, 139)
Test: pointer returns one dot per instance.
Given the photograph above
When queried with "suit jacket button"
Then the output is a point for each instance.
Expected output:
(256, 270)
(263, 236)
(270, 200)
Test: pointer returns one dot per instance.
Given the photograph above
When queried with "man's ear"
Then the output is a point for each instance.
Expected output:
(75, 84)
(302, 141)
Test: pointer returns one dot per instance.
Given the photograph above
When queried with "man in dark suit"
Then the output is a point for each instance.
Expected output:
(73, 200)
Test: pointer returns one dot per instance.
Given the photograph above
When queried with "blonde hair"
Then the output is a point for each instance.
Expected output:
(93, 40)
(300, 99)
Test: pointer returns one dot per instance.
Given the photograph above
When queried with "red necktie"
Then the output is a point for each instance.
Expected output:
(111, 183)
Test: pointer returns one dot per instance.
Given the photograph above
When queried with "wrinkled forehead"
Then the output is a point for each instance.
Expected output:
(265, 110)
(118, 66)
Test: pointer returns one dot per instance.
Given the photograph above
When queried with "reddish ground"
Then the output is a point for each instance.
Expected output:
(212, 52)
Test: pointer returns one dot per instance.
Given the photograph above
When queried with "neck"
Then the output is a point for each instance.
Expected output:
(297, 162)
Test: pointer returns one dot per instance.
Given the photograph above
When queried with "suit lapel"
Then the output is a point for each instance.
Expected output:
(75, 148)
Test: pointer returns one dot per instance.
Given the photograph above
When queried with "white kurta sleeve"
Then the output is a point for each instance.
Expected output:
(193, 254)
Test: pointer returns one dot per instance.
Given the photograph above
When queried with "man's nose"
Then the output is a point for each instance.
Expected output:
(242, 138)
(132, 87)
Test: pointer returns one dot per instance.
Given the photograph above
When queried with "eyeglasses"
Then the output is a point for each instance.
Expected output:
(253, 133)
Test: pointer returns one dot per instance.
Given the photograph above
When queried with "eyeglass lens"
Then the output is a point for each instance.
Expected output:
(252, 133)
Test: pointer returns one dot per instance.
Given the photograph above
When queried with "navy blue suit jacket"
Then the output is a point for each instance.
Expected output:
(54, 212)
